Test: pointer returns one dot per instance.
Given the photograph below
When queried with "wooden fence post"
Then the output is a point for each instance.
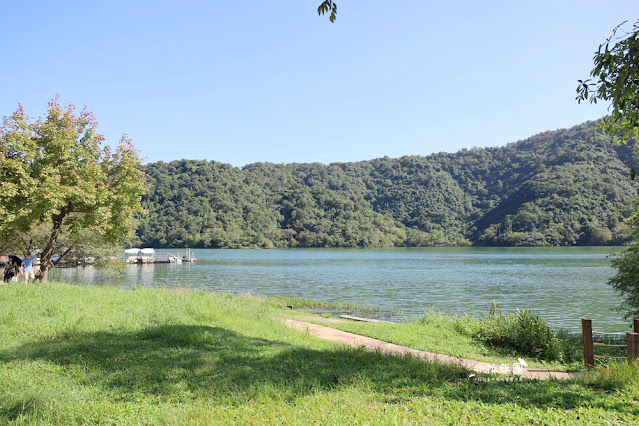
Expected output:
(632, 343)
(636, 325)
(589, 351)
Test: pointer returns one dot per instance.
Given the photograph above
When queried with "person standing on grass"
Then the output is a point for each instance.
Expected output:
(27, 268)
(7, 269)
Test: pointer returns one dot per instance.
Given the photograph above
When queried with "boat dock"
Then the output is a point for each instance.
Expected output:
(149, 256)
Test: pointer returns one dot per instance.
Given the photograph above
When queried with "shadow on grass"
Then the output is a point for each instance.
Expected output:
(23, 406)
(182, 362)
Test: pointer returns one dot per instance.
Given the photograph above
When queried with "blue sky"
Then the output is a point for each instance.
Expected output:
(247, 81)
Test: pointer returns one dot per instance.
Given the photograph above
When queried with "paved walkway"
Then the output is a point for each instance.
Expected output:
(370, 344)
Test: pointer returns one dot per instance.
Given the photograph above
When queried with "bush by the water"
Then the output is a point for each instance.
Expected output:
(522, 331)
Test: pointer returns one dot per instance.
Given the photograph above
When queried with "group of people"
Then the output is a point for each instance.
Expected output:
(14, 267)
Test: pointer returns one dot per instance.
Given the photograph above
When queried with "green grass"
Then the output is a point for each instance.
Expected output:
(102, 355)
(453, 335)
(317, 306)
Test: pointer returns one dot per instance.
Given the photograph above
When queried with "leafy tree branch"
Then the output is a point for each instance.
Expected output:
(615, 78)
(328, 7)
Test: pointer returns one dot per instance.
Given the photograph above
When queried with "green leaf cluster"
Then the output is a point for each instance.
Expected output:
(616, 79)
(626, 280)
(326, 7)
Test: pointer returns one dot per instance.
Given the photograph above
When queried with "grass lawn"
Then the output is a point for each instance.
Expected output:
(445, 334)
(86, 355)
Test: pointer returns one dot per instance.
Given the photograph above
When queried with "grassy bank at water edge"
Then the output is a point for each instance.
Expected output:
(87, 355)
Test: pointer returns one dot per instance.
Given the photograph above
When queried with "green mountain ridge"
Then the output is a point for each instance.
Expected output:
(564, 187)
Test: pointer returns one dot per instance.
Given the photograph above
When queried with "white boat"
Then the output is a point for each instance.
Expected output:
(132, 255)
(147, 255)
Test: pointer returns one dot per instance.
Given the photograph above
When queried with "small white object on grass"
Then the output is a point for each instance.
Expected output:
(522, 362)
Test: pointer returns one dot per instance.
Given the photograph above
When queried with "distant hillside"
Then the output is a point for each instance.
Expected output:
(565, 187)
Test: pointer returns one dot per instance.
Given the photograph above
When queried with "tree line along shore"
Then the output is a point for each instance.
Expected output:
(557, 188)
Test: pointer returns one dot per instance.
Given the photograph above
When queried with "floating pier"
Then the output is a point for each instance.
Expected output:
(148, 256)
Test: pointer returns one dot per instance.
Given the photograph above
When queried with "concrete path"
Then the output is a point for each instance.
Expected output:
(374, 345)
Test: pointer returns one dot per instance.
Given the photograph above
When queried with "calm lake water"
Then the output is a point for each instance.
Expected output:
(562, 285)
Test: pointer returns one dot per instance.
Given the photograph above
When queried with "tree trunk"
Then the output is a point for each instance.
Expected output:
(43, 275)
(49, 249)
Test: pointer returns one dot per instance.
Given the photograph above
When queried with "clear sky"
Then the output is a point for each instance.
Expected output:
(247, 81)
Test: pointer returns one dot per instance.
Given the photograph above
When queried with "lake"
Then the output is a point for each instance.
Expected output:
(562, 284)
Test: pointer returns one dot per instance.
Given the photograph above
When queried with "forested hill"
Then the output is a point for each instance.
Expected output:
(563, 187)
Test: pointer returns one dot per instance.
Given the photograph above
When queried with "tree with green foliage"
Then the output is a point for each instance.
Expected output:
(616, 75)
(57, 181)
(616, 79)
(626, 280)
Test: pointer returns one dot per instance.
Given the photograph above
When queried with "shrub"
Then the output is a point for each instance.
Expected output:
(522, 331)
(626, 281)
